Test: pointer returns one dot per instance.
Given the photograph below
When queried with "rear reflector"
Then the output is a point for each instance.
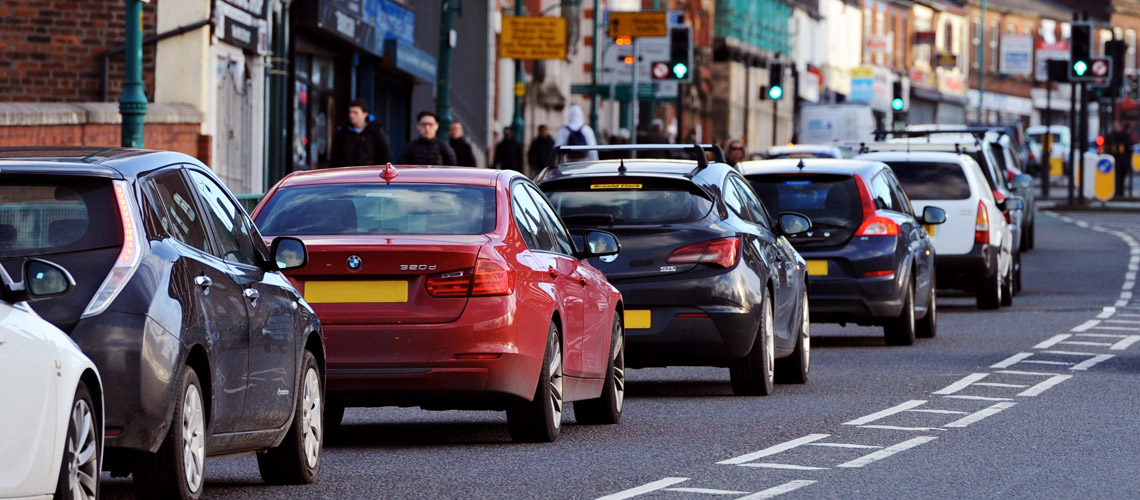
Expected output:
(691, 315)
(723, 252)
(477, 356)
(129, 255)
(982, 225)
(879, 274)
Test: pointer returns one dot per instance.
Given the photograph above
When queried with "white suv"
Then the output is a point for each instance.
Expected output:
(974, 248)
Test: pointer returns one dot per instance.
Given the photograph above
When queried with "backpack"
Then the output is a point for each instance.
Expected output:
(576, 138)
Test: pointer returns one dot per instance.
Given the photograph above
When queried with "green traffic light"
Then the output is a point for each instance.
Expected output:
(1080, 67)
(775, 92)
(680, 70)
(897, 104)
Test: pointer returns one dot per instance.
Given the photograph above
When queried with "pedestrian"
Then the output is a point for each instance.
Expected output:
(509, 152)
(427, 149)
(735, 152)
(1119, 145)
(540, 148)
(577, 133)
(464, 156)
(361, 141)
(655, 134)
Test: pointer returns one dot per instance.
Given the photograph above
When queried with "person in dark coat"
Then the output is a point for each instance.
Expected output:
(509, 153)
(361, 142)
(464, 156)
(427, 149)
(540, 148)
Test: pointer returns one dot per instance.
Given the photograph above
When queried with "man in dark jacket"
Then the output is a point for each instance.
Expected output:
(427, 149)
(360, 142)
(464, 156)
(508, 154)
(539, 153)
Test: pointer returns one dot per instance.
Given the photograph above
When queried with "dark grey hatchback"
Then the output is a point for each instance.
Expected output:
(204, 346)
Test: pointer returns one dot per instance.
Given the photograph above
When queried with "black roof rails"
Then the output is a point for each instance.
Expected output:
(977, 132)
(698, 150)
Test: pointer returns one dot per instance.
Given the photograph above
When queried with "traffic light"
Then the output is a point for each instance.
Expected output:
(680, 53)
(897, 93)
(775, 80)
(1080, 53)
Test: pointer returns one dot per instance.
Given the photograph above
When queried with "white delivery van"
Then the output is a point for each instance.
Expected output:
(836, 123)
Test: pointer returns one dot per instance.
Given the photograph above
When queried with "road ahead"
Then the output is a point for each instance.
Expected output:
(1034, 401)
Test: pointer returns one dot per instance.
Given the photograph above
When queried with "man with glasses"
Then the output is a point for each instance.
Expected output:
(427, 149)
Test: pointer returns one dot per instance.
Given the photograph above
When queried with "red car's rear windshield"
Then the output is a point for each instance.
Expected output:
(39, 217)
(379, 209)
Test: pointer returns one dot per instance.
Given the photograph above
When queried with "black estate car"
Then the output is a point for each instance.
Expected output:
(870, 259)
(708, 278)
(204, 346)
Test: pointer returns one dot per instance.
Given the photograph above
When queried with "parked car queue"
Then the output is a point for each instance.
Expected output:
(431, 287)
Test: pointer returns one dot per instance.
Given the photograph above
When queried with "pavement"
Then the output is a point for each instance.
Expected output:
(1062, 204)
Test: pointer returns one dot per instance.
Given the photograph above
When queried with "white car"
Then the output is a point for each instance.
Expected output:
(51, 424)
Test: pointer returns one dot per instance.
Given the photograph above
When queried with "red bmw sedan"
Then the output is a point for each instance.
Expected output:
(454, 288)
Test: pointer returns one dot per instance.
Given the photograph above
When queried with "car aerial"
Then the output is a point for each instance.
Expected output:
(870, 259)
(708, 278)
(454, 288)
(804, 151)
(204, 347)
(51, 430)
(974, 247)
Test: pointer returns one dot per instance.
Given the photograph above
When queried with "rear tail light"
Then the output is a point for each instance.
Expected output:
(999, 199)
(873, 224)
(489, 277)
(723, 252)
(879, 274)
(982, 225)
(129, 255)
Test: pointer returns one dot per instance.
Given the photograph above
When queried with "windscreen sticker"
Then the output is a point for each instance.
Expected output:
(797, 183)
(615, 186)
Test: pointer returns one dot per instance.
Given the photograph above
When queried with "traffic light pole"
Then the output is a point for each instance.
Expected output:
(633, 94)
(1072, 138)
(132, 104)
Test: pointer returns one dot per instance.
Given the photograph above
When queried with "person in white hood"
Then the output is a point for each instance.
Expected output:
(577, 132)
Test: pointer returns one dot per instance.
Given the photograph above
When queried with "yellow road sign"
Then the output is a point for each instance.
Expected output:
(533, 38)
(637, 24)
(1104, 186)
(1056, 167)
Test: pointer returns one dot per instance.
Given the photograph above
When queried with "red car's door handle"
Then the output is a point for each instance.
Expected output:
(553, 272)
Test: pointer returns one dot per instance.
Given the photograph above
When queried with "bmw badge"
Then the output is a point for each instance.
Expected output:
(355, 262)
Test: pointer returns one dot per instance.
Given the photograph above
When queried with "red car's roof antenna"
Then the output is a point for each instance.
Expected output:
(389, 173)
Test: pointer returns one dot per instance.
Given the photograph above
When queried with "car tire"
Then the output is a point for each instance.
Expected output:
(900, 330)
(1007, 286)
(177, 470)
(989, 291)
(606, 409)
(540, 419)
(927, 327)
(1032, 240)
(79, 472)
(794, 368)
(754, 374)
(297, 460)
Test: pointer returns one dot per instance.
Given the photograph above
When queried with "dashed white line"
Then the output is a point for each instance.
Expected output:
(900, 428)
(1093, 344)
(980, 414)
(1052, 341)
(961, 384)
(1086, 325)
(945, 412)
(1045, 385)
(846, 445)
(1088, 363)
(772, 450)
(645, 488)
(1103, 335)
(766, 465)
(1120, 328)
(779, 490)
(1044, 362)
(887, 452)
(889, 411)
(977, 398)
(1124, 321)
(1013, 360)
(1109, 311)
(995, 384)
(1124, 344)
(706, 491)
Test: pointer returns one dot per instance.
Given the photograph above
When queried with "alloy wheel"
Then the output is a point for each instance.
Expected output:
(83, 448)
(193, 438)
(312, 424)
(556, 384)
(619, 370)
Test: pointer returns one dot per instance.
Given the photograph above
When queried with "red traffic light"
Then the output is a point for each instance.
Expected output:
(1100, 140)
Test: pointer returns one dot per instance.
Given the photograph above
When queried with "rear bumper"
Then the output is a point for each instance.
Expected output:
(965, 271)
(421, 364)
(845, 294)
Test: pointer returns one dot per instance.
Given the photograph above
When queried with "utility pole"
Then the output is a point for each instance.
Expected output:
(517, 123)
(593, 72)
(982, 61)
(132, 104)
(443, 66)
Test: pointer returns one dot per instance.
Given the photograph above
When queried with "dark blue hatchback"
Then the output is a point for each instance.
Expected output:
(870, 260)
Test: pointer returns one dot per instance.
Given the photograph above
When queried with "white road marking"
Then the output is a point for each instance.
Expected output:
(779, 490)
(1086, 325)
(1043, 386)
(847, 445)
(1052, 341)
(766, 465)
(980, 414)
(1058, 363)
(1015, 372)
(1012, 360)
(889, 411)
(706, 491)
(1109, 311)
(1086, 364)
(1093, 344)
(961, 384)
(995, 384)
(1123, 328)
(645, 488)
(1103, 335)
(900, 428)
(1069, 353)
(1128, 285)
(946, 412)
(978, 398)
(1124, 344)
(886, 452)
(1124, 321)
(772, 450)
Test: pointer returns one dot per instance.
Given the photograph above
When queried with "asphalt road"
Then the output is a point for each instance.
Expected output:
(1034, 401)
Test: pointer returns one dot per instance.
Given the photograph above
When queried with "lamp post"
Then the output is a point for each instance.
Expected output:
(132, 104)
(517, 123)
(443, 66)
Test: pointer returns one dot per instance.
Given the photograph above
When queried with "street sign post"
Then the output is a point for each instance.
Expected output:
(1105, 182)
(638, 24)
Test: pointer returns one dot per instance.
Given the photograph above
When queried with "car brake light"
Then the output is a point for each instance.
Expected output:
(721, 251)
(449, 284)
(879, 274)
(492, 278)
(873, 224)
(129, 255)
(982, 225)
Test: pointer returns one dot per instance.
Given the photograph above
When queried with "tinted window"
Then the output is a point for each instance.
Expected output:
(751, 202)
(898, 193)
(551, 221)
(830, 201)
(881, 193)
(176, 209)
(629, 201)
(379, 209)
(529, 221)
(932, 181)
(43, 217)
(228, 220)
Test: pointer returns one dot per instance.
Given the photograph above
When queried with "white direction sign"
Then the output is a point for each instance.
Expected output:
(649, 51)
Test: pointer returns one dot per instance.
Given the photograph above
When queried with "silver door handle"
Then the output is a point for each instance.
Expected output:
(203, 281)
(251, 294)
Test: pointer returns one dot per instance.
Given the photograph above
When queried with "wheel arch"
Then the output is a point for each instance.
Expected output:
(199, 361)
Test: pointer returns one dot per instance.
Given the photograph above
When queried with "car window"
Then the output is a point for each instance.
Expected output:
(629, 201)
(831, 202)
(881, 193)
(178, 213)
(228, 220)
(932, 180)
(41, 216)
(898, 193)
(751, 202)
(551, 221)
(529, 221)
(734, 201)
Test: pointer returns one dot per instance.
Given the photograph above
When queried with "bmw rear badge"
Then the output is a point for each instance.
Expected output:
(355, 262)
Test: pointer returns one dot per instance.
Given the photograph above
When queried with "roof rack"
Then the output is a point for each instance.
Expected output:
(978, 132)
(909, 146)
(698, 150)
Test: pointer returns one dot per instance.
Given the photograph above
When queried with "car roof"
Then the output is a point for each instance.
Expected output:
(112, 162)
(923, 156)
(406, 174)
(813, 148)
(810, 166)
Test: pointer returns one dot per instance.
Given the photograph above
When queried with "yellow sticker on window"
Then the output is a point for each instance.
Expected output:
(615, 186)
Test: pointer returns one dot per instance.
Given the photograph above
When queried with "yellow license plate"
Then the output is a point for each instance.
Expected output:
(817, 267)
(637, 319)
(929, 229)
(342, 292)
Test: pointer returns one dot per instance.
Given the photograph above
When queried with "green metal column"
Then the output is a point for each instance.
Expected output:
(443, 68)
(594, 72)
(132, 104)
(277, 97)
(517, 123)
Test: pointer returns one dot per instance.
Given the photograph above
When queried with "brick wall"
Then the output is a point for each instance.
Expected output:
(181, 137)
(50, 51)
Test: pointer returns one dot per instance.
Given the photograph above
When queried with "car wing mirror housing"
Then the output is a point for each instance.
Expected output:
(794, 223)
(42, 279)
(1022, 181)
(600, 244)
(933, 215)
(289, 253)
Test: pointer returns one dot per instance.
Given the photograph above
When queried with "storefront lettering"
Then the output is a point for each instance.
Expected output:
(345, 24)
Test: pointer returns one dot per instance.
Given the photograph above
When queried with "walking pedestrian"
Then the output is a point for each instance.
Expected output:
(427, 149)
(361, 141)
(508, 154)
(577, 133)
(464, 156)
(735, 152)
(540, 148)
